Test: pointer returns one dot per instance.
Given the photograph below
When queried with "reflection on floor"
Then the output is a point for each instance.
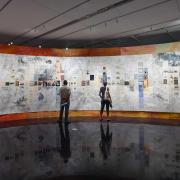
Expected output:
(91, 150)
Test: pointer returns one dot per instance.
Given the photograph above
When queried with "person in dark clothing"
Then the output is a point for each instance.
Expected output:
(65, 150)
(105, 142)
(105, 100)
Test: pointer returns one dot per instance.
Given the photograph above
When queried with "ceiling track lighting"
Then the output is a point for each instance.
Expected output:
(80, 19)
(10, 43)
(35, 30)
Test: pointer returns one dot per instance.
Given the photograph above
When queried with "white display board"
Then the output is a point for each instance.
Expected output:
(137, 82)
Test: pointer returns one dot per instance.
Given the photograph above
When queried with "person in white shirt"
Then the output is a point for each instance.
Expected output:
(105, 100)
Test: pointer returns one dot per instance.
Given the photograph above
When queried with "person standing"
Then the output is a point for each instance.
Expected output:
(105, 100)
(65, 93)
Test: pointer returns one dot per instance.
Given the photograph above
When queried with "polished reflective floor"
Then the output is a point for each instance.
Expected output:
(90, 149)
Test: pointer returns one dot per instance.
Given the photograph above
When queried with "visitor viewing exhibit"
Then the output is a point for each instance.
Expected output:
(90, 89)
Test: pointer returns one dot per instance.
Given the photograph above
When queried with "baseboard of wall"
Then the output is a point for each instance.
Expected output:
(19, 119)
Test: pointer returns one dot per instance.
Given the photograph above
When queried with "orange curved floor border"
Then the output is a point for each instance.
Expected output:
(18, 119)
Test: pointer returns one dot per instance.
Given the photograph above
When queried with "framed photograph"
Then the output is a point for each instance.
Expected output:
(91, 77)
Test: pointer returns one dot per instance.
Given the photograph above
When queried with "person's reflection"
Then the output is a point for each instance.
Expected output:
(106, 140)
(65, 150)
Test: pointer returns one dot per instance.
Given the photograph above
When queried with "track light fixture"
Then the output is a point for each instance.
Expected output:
(10, 43)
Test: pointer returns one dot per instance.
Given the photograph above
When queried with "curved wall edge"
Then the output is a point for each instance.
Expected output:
(145, 49)
(136, 50)
(118, 116)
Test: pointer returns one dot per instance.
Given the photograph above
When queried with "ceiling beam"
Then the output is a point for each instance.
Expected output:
(5, 5)
(85, 17)
(130, 32)
(49, 20)
(112, 19)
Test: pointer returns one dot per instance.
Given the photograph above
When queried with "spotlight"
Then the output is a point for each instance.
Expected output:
(66, 49)
(39, 46)
(10, 43)
(35, 30)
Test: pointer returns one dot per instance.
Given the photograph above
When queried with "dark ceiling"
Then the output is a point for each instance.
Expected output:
(89, 23)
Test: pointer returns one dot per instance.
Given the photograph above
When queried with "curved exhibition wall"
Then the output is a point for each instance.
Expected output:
(144, 78)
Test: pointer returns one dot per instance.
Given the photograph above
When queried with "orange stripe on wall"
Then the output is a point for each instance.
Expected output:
(148, 49)
(22, 50)
(138, 50)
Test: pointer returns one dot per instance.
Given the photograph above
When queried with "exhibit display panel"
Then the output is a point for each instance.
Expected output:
(140, 82)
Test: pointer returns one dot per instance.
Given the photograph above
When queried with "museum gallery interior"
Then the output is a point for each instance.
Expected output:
(89, 89)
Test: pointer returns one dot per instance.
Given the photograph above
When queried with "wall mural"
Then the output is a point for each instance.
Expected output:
(147, 82)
